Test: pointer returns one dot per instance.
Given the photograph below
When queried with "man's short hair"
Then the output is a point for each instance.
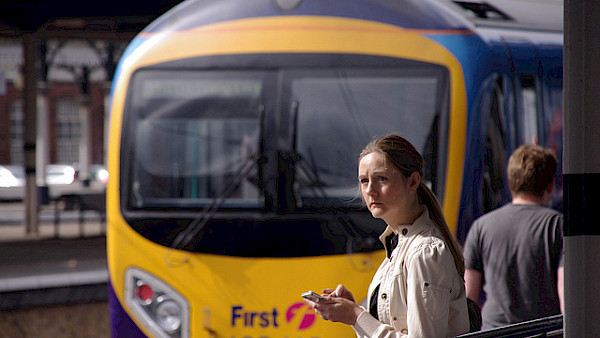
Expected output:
(531, 169)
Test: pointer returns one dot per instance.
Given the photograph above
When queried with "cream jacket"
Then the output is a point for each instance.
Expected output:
(421, 292)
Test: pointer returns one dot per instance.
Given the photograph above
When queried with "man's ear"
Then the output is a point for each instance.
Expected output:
(547, 195)
(551, 187)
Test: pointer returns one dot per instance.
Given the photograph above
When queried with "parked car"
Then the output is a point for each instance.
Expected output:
(12, 182)
(61, 179)
(60, 174)
(99, 173)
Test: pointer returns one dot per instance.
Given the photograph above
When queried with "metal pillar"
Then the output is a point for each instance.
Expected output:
(30, 73)
(581, 167)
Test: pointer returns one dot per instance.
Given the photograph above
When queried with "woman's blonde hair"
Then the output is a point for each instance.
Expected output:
(404, 157)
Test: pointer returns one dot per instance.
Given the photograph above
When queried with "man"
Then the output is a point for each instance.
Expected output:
(514, 253)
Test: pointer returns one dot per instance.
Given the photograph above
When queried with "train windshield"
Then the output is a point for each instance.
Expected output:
(194, 137)
(339, 112)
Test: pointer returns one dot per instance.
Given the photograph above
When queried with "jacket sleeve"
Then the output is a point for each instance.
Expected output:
(368, 327)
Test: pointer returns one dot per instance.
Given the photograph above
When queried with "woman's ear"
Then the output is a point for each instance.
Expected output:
(414, 180)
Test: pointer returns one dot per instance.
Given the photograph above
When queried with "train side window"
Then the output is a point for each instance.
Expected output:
(530, 111)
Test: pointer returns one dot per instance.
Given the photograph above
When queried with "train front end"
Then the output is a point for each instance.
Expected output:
(235, 131)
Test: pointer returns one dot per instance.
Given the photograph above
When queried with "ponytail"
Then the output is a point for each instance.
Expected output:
(428, 198)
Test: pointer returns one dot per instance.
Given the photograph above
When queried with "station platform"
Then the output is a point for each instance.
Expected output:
(57, 264)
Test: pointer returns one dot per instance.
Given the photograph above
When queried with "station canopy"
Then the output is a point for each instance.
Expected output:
(116, 17)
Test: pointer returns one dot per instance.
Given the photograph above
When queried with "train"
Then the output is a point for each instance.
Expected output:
(235, 129)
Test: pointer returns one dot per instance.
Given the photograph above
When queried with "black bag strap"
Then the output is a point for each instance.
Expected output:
(474, 315)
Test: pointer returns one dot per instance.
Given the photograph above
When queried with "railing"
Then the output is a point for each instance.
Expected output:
(81, 203)
(544, 327)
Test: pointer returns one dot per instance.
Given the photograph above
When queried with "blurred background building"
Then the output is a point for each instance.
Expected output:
(73, 90)
(57, 61)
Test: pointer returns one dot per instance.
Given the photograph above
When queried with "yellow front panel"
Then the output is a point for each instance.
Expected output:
(245, 297)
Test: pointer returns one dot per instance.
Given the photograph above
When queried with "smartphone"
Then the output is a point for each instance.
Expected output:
(311, 295)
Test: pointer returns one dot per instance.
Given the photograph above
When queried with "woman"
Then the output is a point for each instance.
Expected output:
(418, 290)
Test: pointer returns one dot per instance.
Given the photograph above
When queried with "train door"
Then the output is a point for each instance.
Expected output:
(535, 106)
(504, 133)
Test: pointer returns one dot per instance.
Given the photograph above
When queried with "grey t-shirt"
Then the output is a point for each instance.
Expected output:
(518, 248)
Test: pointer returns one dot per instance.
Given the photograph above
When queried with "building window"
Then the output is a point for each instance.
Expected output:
(16, 132)
(68, 132)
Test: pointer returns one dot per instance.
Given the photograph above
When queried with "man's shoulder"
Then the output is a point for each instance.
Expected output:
(505, 209)
(512, 214)
(536, 210)
(512, 209)
(497, 218)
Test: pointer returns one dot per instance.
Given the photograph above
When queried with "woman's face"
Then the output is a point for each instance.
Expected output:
(387, 193)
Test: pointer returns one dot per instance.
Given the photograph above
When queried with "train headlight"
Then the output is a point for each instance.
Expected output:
(161, 309)
(168, 315)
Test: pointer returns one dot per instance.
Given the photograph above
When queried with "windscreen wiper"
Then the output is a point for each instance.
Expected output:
(189, 233)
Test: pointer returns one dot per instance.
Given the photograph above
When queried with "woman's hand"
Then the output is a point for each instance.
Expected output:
(340, 291)
(337, 306)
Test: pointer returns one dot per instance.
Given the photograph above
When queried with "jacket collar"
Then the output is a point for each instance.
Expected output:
(390, 236)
